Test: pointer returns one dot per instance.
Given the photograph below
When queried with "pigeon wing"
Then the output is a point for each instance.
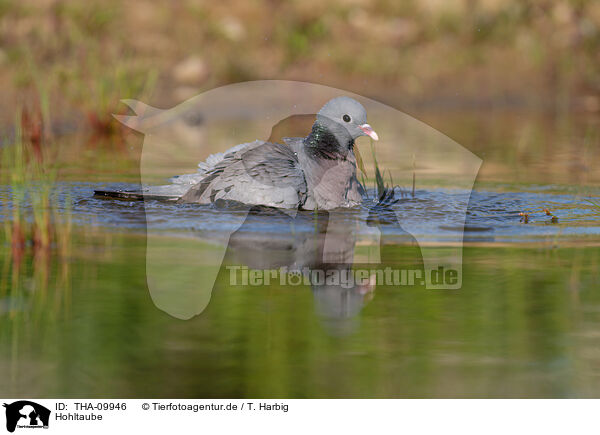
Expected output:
(265, 174)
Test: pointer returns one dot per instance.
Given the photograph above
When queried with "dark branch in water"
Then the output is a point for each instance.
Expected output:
(414, 176)
(386, 195)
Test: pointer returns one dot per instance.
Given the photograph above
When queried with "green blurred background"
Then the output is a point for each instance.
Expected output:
(501, 77)
(410, 54)
(497, 71)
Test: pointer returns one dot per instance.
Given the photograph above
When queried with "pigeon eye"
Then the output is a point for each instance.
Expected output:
(346, 118)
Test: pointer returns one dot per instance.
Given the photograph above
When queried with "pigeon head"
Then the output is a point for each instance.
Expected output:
(339, 123)
(350, 114)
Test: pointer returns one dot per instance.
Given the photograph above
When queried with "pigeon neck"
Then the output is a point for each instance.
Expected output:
(328, 142)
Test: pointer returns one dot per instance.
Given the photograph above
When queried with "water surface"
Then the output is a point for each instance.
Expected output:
(81, 322)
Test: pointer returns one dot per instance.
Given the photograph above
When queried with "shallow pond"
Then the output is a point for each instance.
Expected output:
(525, 323)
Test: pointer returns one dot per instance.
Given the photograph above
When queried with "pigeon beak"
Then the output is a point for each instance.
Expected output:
(368, 130)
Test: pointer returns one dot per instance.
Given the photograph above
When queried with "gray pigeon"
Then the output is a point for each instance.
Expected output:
(314, 172)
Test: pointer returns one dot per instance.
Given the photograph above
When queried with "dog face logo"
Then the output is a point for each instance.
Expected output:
(26, 414)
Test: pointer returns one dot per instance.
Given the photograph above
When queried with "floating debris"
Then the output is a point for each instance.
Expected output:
(524, 218)
(553, 219)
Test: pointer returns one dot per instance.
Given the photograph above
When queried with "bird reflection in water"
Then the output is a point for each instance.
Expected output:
(318, 244)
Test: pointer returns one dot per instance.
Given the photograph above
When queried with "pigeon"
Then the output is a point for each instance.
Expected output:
(317, 171)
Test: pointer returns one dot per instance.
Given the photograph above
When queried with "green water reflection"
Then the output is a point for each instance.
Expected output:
(525, 324)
